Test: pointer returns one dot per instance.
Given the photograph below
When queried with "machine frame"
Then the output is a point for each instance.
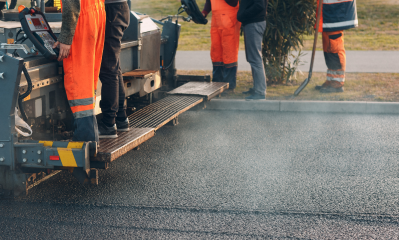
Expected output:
(148, 64)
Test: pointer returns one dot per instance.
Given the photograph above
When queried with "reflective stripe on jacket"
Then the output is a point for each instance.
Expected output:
(338, 15)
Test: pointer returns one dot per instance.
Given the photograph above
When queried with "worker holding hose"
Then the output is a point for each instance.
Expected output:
(225, 36)
(337, 16)
(81, 43)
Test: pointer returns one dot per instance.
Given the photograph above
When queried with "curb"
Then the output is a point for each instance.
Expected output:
(304, 106)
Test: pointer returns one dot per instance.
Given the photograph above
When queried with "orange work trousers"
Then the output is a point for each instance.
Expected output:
(334, 54)
(225, 34)
(82, 68)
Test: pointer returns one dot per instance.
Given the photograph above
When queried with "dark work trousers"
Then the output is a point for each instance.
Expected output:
(113, 92)
(223, 74)
(253, 35)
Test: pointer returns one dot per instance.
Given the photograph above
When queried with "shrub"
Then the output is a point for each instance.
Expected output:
(287, 22)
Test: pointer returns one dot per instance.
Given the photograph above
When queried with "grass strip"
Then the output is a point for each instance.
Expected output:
(378, 25)
(375, 87)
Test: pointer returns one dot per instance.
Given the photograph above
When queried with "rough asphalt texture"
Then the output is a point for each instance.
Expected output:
(356, 61)
(231, 175)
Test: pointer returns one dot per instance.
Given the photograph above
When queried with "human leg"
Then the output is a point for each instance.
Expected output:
(230, 76)
(230, 44)
(253, 34)
(216, 54)
(217, 73)
(335, 57)
(121, 114)
(250, 90)
(81, 70)
(113, 92)
(122, 122)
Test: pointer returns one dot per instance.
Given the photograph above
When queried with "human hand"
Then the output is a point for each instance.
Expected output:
(64, 50)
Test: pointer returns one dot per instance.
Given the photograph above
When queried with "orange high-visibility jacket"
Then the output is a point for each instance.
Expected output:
(338, 15)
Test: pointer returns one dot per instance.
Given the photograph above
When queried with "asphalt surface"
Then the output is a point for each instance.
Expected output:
(231, 175)
(356, 61)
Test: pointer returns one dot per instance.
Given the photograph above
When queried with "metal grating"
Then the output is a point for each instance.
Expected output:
(143, 124)
(159, 113)
(204, 89)
(111, 149)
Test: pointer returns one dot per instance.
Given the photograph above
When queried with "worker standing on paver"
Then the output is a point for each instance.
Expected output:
(81, 43)
(225, 39)
(113, 106)
(252, 15)
(337, 16)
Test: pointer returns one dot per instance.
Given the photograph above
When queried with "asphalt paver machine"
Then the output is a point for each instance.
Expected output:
(32, 94)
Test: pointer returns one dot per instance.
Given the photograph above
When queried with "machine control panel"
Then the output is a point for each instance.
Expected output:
(36, 23)
(39, 32)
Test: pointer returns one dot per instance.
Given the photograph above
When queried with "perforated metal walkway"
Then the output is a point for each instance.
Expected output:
(146, 121)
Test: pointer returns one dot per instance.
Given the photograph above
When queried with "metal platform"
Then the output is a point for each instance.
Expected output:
(143, 124)
(111, 149)
(201, 89)
(160, 113)
(146, 121)
(138, 73)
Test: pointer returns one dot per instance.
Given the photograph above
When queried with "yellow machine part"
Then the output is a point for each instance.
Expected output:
(57, 4)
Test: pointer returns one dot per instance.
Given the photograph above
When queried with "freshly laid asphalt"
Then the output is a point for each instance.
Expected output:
(250, 170)
(357, 61)
(231, 175)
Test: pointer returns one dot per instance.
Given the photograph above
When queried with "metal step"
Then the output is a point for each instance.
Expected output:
(146, 121)
(143, 124)
(160, 113)
(201, 89)
(111, 149)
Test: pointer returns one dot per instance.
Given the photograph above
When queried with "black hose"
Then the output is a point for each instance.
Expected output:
(16, 36)
(24, 95)
(177, 45)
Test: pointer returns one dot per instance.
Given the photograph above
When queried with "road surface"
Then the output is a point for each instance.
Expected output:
(231, 175)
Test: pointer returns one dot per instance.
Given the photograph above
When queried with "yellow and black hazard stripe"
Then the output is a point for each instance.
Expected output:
(66, 152)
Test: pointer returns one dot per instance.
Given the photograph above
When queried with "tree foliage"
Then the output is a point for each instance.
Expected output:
(287, 22)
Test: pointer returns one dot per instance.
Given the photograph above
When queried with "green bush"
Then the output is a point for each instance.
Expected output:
(287, 22)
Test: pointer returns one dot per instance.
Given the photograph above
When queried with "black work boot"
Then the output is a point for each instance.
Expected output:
(106, 132)
(230, 76)
(325, 84)
(250, 91)
(122, 126)
(217, 74)
(333, 87)
(255, 96)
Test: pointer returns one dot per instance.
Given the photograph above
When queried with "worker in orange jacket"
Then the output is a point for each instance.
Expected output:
(337, 16)
(81, 43)
(225, 37)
